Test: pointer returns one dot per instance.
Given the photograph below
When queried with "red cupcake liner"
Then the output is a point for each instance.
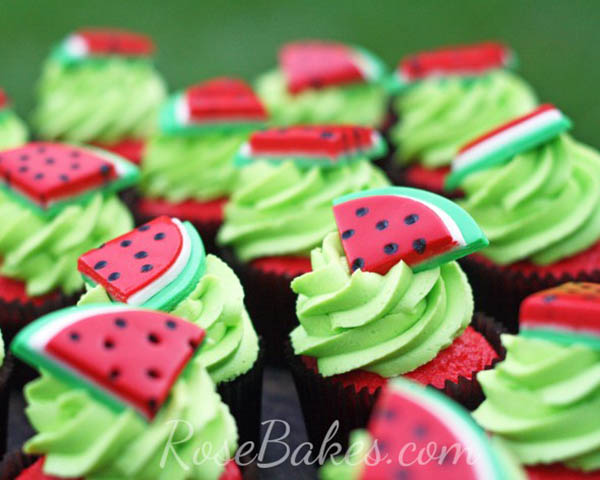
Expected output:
(130, 148)
(559, 472)
(499, 290)
(324, 400)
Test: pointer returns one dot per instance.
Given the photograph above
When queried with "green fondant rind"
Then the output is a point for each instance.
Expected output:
(378, 70)
(474, 237)
(504, 154)
(561, 337)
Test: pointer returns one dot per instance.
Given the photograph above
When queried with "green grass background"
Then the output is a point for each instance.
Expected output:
(557, 40)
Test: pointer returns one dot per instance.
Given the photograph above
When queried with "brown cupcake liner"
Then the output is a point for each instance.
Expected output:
(499, 291)
(325, 401)
(271, 304)
(5, 388)
(243, 395)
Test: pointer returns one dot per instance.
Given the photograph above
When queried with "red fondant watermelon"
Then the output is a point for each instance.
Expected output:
(124, 356)
(379, 228)
(105, 42)
(3, 99)
(424, 435)
(569, 313)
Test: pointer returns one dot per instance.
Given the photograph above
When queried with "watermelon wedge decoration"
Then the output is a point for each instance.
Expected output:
(316, 64)
(49, 176)
(312, 145)
(454, 447)
(219, 104)
(98, 43)
(381, 227)
(155, 265)
(504, 142)
(464, 60)
(125, 357)
(567, 314)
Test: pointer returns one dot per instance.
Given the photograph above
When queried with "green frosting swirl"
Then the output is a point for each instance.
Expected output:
(388, 324)
(43, 252)
(359, 104)
(543, 205)
(285, 210)
(81, 437)
(543, 400)
(13, 132)
(440, 115)
(101, 100)
(230, 348)
(196, 167)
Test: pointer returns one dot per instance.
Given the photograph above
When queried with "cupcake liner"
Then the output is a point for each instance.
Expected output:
(243, 395)
(324, 401)
(5, 387)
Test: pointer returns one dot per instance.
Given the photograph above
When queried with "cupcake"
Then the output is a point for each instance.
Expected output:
(320, 82)
(536, 194)
(100, 86)
(118, 397)
(543, 400)
(187, 170)
(161, 265)
(415, 432)
(56, 202)
(6, 367)
(282, 210)
(13, 132)
(385, 298)
(445, 98)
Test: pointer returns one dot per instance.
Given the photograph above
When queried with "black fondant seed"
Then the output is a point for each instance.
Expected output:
(420, 431)
(143, 228)
(411, 219)
(125, 243)
(549, 298)
(75, 166)
(326, 134)
(114, 374)
(171, 325)
(419, 245)
(153, 338)
(152, 373)
(24, 158)
(104, 169)
(23, 169)
(362, 211)
(152, 404)
(74, 336)
(75, 154)
(100, 264)
(120, 322)
(159, 236)
(381, 225)
(109, 344)
(114, 276)
(390, 248)
(50, 161)
(39, 176)
(63, 178)
(41, 149)
(141, 254)
(358, 263)
(146, 268)
(347, 234)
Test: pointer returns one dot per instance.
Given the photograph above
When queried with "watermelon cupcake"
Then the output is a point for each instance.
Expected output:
(119, 387)
(446, 97)
(6, 368)
(13, 132)
(187, 170)
(282, 210)
(100, 86)
(536, 194)
(543, 400)
(385, 298)
(162, 265)
(416, 433)
(56, 202)
(320, 82)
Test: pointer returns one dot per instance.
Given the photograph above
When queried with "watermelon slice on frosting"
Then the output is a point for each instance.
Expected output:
(381, 227)
(312, 145)
(49, 176)
(568, 314)
(123, 356)
(155, 265)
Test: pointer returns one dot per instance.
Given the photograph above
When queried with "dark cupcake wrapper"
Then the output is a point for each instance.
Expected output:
(325, 401)
(243, 395)
(5, 384)
(270, 302)
(499, 291)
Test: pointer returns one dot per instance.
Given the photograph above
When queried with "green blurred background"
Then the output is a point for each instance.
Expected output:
(557, 40)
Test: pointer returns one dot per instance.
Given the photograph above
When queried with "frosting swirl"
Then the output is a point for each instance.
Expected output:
(230, 348)
(196, 167)
(388, 324)
(358, 104)
(81, 437)
(13, 132)
(438, 116)
(101, 100)
(543, 400)
(543, 205)
(284, 210)
(43, 252)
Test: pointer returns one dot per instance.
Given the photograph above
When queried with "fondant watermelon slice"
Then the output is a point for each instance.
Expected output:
(323, 145)
(381, 227)
(48, 176)
(453, 446)
(106, 42)
(504, 142)
(316, 64)
(465, 60)
(123, 356)
(566, 314)
(155, 265)
(3, 99)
